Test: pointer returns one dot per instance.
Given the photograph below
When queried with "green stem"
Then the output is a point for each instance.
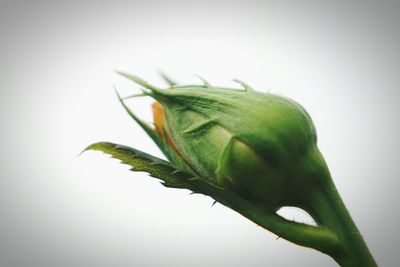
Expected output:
(329, 210)
(317, 237)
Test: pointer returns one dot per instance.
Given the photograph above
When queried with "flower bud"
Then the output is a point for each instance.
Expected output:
(260, 145)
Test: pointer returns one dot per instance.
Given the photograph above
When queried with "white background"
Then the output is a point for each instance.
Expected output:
(340, 60)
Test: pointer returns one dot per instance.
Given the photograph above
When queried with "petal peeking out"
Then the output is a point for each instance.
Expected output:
(158, 118)
(162, 130)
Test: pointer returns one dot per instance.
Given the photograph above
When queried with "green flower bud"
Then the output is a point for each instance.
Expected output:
(261, 145)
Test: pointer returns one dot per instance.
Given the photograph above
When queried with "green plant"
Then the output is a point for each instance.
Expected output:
(250, 151)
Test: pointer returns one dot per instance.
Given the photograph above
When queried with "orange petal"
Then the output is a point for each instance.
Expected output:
(158, 117)
(159, 122)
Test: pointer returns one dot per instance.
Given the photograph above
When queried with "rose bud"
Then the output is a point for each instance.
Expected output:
(260, 145)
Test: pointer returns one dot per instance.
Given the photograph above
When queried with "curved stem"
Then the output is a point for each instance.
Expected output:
(318, 237)
(329, 210)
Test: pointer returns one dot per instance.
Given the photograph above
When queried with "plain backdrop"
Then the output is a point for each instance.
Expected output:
(339, 59)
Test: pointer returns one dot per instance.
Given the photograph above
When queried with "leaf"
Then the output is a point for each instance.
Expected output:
(141, 161)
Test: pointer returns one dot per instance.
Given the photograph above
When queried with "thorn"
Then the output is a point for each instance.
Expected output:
(244, 85)
(206, 83)
(167, 79)
(277, 237)
(155, 90)
(135, 95)
(212, 205)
